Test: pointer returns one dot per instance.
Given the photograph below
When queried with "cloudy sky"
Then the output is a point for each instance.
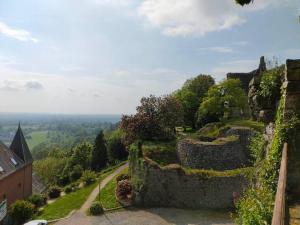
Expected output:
(102, 56)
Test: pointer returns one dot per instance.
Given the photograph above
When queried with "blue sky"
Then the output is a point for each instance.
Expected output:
(102, 56)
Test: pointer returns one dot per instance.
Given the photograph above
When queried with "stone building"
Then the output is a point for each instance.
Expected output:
(15, 169)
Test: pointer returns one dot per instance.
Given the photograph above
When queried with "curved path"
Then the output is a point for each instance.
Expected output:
(95, 192)
(157, 216)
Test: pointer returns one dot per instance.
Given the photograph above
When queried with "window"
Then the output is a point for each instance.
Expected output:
(13, 161)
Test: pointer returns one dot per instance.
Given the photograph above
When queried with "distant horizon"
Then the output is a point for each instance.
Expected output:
(108, 54)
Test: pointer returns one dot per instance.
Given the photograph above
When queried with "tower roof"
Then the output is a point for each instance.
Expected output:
(20, 147)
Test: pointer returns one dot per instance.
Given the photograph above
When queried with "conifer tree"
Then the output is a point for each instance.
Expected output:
(99, 153)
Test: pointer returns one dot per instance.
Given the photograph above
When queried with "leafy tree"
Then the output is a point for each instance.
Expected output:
(115, 147)
(99, 153)
(190, 104)
(170, 112)
(155, 118)
(192, 94)
(222, 98)
(49, 169)
(81, 155)
(21, 211)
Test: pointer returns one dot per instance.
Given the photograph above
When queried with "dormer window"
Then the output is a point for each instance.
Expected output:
(14, 161)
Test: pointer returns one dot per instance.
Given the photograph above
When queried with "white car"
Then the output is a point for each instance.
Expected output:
(36, 222)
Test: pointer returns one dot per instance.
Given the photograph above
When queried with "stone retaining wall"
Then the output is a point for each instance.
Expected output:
(172, 187)
(221, 155)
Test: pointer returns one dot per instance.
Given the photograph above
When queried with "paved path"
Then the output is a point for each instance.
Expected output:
(158, 216)
(95, 192)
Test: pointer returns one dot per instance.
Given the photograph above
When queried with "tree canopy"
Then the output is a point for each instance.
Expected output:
(156, 118)
(192, 94)
(222, 98)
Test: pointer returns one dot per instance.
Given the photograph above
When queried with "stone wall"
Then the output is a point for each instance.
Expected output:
(292, 106)
(172, 187)
(222, 154)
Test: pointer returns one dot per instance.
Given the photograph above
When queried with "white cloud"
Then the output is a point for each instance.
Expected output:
(219, 49)
(20, 85)
(197, 17)
(18, 34)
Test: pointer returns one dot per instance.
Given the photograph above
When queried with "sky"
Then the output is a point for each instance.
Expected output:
(102, 56)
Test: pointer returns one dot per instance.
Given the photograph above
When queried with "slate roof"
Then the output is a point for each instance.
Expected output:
(20, 147)
(6, 163)
(15, 157)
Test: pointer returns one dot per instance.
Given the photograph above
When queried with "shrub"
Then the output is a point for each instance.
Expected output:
(88, 177)
(122, 177)
(123, 189)
(37, 200)
(54, 192)
(257, 147)
(76, 173)
(256, 206)
(96, 208)
(21, 211)
(68, 189)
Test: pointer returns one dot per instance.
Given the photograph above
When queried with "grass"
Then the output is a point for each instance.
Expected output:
(37, 137)
(64, 205)
(259, 126)
(163, 153)
(107, 194)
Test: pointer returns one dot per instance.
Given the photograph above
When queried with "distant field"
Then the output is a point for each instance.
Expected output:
(37, 137)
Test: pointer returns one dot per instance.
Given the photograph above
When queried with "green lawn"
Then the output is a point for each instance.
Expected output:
(107, 194)
(37, 137)
(64, 205)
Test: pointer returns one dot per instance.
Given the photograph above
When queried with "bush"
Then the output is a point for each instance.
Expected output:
(38, 200)
(96, 208)
(54, 192)
(256, 206)
(88, 177)
(124, 189)
(76, 173)
(68, 189)
(122, 177)
(21, 211)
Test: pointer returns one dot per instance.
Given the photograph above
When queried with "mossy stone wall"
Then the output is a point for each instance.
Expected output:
(292, 107)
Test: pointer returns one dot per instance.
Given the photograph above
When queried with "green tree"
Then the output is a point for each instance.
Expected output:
(81, 155)
(49, 169)
(99, 153)
(222, 99)
(115, 148)
(191, 95)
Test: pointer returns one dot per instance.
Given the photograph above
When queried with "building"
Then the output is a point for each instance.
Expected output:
(15, 169)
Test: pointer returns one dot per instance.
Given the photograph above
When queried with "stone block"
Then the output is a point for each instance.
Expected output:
(292, 87)
(292, 70)
(293, 63)
(292, 102)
